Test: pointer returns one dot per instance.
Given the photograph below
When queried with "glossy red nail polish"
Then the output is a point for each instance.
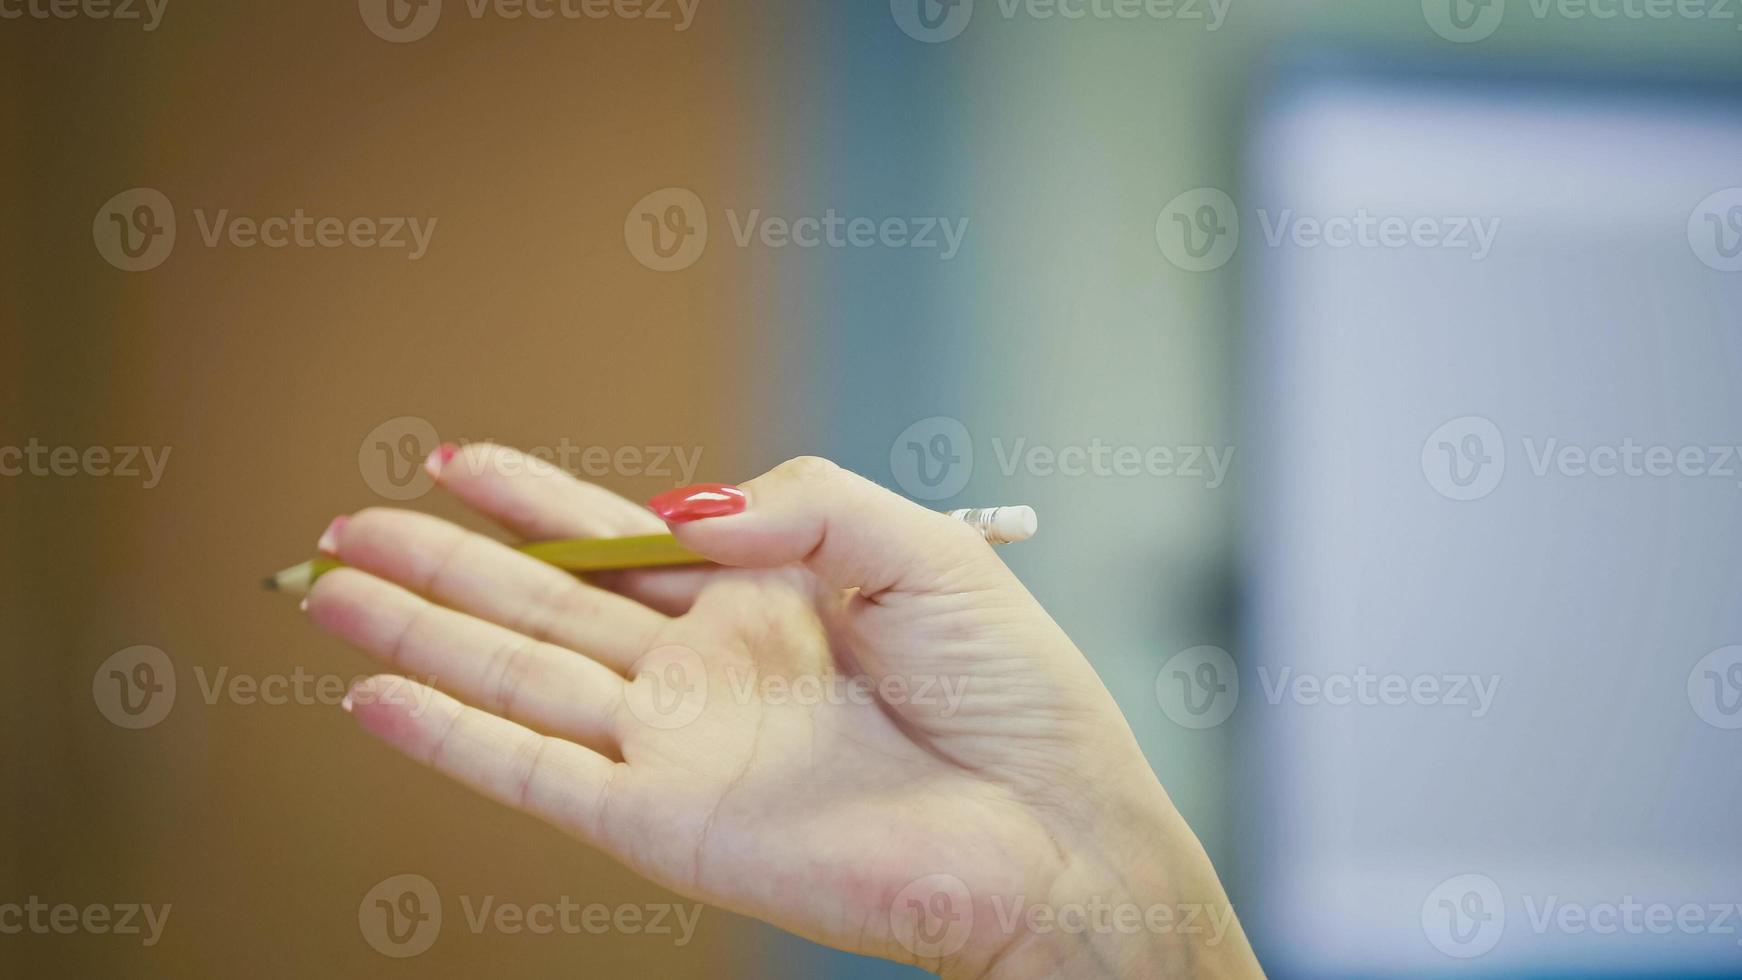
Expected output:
(686, 504)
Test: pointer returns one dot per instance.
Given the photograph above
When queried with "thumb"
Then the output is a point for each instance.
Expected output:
(850, 532)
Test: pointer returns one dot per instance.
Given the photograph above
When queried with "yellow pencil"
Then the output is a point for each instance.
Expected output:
(1000, 525)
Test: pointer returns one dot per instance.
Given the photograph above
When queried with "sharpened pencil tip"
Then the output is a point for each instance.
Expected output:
(269, 583)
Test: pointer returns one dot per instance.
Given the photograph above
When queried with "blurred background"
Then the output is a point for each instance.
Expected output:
(1373, 367)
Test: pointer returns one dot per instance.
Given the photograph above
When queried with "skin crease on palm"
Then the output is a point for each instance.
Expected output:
(659, 716)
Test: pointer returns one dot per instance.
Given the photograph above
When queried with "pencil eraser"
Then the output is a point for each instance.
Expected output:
(1015, 523)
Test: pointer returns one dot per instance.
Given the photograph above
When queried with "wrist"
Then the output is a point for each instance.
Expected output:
(1091, 927)
(1137, 898)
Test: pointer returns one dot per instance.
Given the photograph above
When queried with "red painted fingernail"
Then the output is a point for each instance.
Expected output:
(439, 459)
(329, 543)
(686, 504)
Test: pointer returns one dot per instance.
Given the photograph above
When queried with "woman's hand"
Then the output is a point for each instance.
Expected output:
(863, 729)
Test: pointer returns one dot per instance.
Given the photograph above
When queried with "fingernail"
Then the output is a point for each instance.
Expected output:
(703, 500)
(303, 605)
(329, 542)
(438, 460)
(346, 703)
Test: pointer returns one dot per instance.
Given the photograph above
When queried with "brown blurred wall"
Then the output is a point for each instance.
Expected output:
(263, 371)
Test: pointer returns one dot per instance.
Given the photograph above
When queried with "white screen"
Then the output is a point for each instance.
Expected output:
(1586, 601)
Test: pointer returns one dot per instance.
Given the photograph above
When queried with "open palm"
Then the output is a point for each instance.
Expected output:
(862, 729)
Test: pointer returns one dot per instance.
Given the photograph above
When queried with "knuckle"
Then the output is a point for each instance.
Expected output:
(809, 469)
(528, 756)
(513, 666)
(958, 530)
(962, 540)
